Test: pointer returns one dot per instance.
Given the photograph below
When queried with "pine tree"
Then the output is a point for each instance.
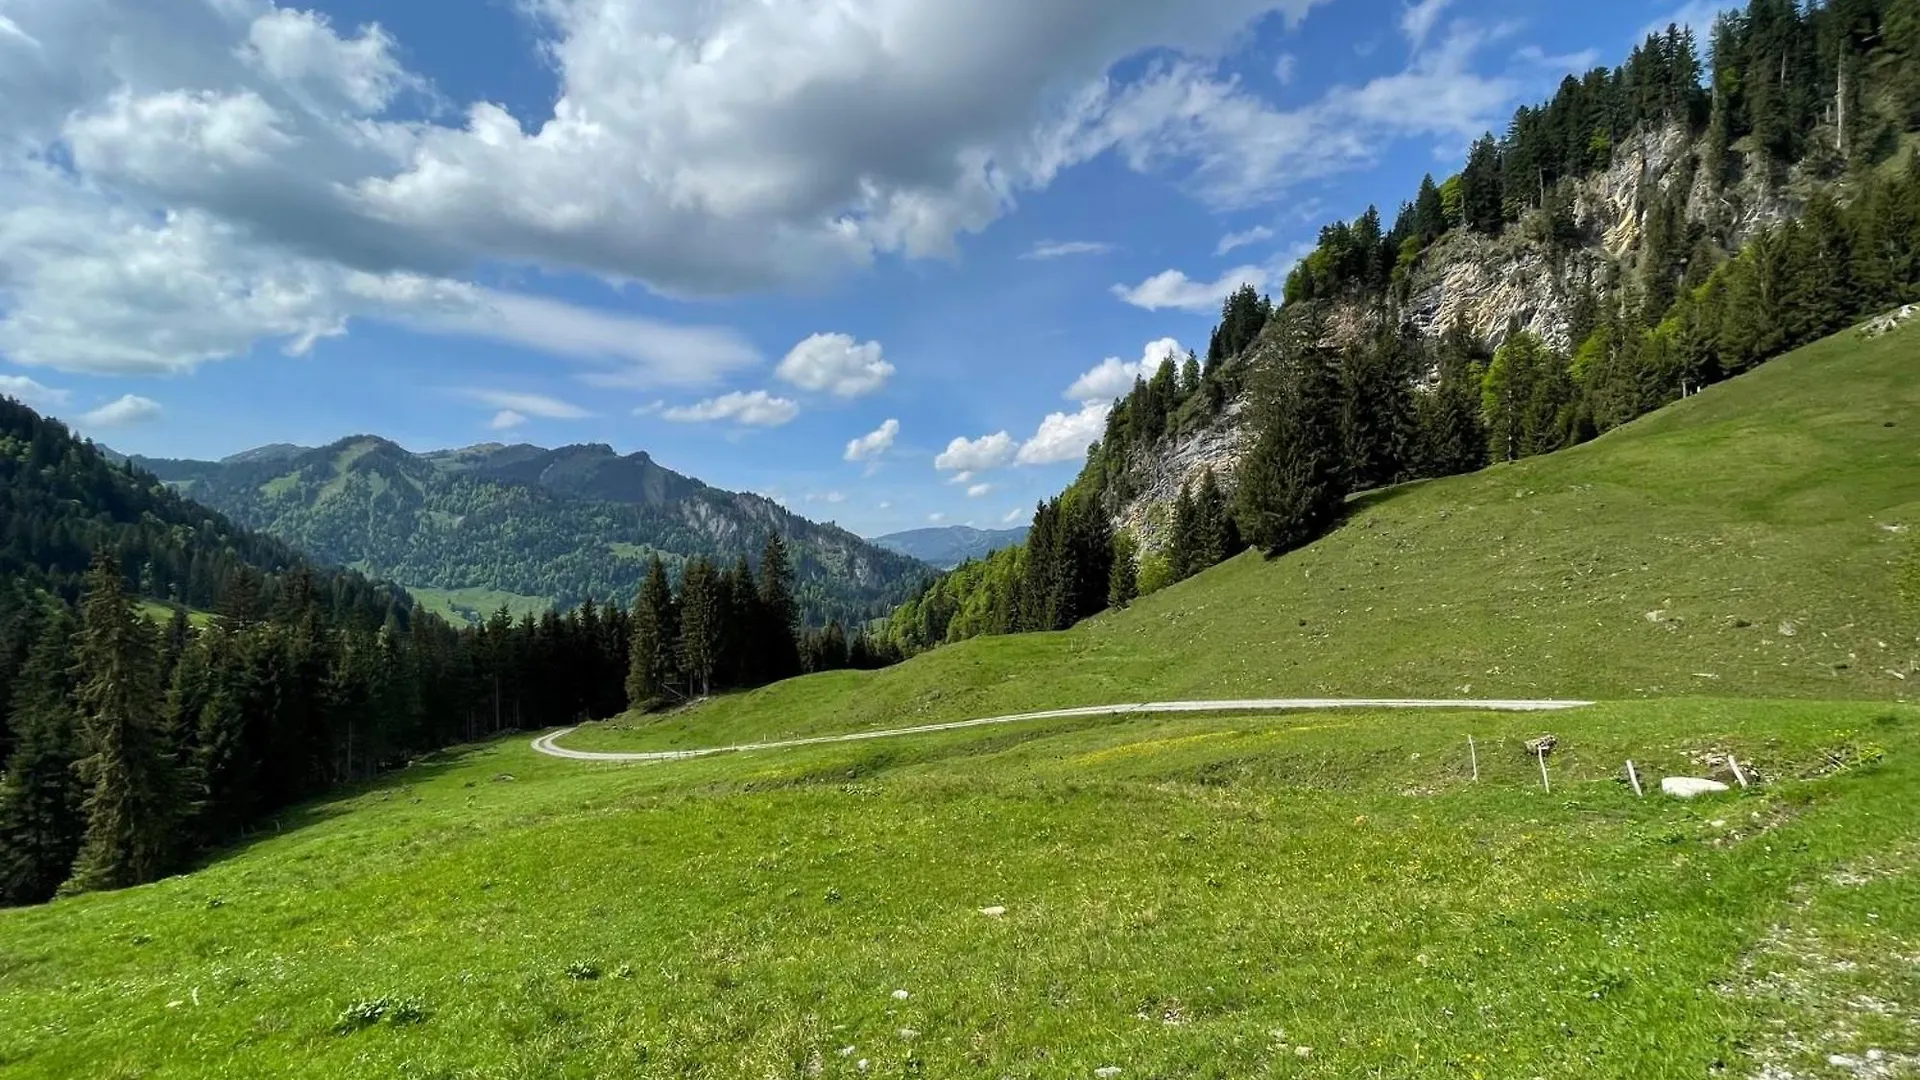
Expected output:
(1377, 426)
(1189, 376)
(702, 616)
(1123, 584)
(40, 796)
(1216, 535)
(1291, 484)
(1429, 212)
(779, 615)
(651, 661)
(1452, 437)
(1184, 541)
(132, 802)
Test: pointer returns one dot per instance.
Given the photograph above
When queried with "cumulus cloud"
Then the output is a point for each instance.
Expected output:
(1060, 249)
(1113, 377)
(1173, 289)
(974, 455)
(936, 517)
(1255, 235)
(976, 491)
(835, 363)
(755, 409)
(129, 410)
(506, 420)
(1065, 436)
(29, 392)
(249, 160)
(874, 443)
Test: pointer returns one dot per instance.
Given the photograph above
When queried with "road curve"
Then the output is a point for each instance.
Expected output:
(546, 744)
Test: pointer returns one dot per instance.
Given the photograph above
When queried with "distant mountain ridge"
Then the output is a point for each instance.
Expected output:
(521, 523)
(949, 546)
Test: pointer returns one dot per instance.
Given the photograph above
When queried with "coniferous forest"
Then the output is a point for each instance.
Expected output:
(1817, 107)
(169, 681)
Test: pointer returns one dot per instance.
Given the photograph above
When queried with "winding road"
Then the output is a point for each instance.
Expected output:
(546, 744)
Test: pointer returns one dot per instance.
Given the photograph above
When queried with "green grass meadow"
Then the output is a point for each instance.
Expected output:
(1308, 894)
(1313, 894)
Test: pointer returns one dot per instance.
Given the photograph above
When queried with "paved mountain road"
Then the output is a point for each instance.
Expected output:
(546, 744)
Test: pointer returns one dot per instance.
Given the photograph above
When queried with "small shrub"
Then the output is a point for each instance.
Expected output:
(398, 1011)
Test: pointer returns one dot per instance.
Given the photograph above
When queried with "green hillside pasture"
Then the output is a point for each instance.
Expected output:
(1304, 895)
(1746, 542)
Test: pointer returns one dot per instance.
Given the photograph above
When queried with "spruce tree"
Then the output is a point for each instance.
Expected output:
(702, 618)
(651, 660)
(1123, 584)
(1184, 542)
(779, 615)
(1217, 537)
(40, 795)
(1291, 485)
(133, 800)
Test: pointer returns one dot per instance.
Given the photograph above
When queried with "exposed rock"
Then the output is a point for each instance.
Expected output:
(1183, 459)
(1686, 787)
(1541, 746)
(1888, 323)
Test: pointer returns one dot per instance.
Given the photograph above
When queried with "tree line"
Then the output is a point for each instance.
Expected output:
(135, 734)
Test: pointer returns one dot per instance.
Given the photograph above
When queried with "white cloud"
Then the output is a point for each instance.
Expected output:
(883, 505)
(1417, 20)
(1175, 290)
(756, 409)
(129, 410)
(1065, 436)
(1284, 69)
(936, 517)
(1113, 377)
(978, 490)
(1060, 249)
(32, 393)
(1013, 515)
(964, 476)
(522, 405)
(836, 364)
(830, 497)
(973, 455)
(1255, 235)
(300, 49)
(874, 443)
(705, 149)
(506, 419)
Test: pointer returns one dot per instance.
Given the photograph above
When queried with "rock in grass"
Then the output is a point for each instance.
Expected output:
(1686, 787)
(1541, 746)
(993, 912)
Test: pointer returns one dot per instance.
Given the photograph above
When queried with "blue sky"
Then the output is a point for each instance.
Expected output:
(882, 259)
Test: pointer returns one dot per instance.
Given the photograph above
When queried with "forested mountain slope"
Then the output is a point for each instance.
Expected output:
(556, 525)
(1652, 229)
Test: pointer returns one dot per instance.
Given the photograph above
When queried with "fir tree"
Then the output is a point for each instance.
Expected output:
(132, 802)
(779, 615)
(40, 795)
(1184, 542)
(651, 661)
(702, 617)
(1291, 485)
(1216, 535)
(1123, 584)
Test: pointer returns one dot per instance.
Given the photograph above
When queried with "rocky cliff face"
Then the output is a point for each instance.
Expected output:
(1493, 283)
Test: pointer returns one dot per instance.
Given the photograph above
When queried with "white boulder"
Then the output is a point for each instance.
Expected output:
(1686, 787)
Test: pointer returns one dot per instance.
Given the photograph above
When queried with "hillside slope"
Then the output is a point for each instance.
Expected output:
(1743, 542)
(528, 526)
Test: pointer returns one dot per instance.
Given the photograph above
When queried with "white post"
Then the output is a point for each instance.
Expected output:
(1543, 769)
(1737, 774)
(1635, 777)
(1473, 755)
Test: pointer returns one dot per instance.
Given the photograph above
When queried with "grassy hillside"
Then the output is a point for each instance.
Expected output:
(1745, 542)
(1184, 896)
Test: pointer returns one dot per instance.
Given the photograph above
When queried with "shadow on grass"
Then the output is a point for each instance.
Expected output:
(334, 803)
